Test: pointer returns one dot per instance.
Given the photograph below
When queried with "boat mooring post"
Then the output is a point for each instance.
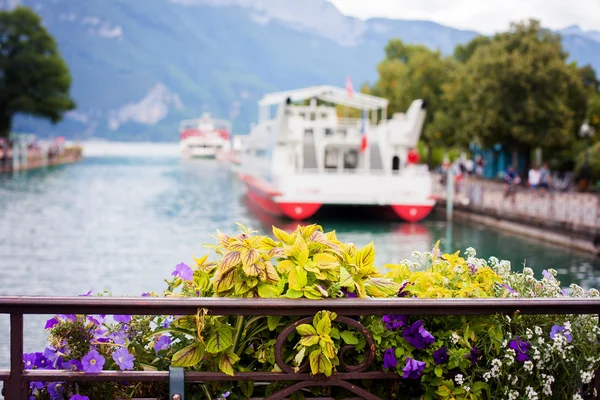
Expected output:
(449, 193)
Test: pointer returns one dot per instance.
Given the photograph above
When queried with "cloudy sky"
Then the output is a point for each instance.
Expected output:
(485, 16)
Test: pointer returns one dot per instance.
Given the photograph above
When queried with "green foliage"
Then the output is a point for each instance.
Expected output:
(412, 72)
(517, 90)
(594, 162)
(34, 78)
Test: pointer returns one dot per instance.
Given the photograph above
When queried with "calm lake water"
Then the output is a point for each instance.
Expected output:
(125, 216)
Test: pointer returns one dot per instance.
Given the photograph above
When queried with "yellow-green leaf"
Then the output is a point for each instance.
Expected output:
(379, 287)
(325, 260)
(293, 294)
(224, 280)
(346, 279)
(300, 356)
(188, 356)
(300, 251)
(253, 269)
(230, 260)
(285, 266)
(365, 257)
(324, 325)
(306, 329)
(270, 273)
(297, 278)
(282, 235)
(273, 321)
(220, 340)
(268, 291)
(312, 293)
(327, 346)
(227, 361)
(249, 256)
(349, 337)
(319, 363)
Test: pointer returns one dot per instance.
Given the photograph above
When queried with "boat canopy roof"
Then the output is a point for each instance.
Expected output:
(330, 94)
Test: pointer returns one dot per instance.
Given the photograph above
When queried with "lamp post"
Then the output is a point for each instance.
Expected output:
(586, 131)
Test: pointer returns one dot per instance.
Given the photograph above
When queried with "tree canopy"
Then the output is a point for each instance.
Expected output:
(34, 78)
(412, 72)
(517, 90)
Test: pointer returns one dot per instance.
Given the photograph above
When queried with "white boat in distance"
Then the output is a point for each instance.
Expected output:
(203, 137)
(302, 157)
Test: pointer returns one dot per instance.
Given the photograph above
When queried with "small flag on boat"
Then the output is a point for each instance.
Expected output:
(349, 87)
(363, 132)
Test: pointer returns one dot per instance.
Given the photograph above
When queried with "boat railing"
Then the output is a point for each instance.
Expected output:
(17, 380)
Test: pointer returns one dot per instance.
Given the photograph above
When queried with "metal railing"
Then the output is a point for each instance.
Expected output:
(17, 379)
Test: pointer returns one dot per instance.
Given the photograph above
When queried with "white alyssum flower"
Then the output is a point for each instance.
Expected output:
(576, 396)
(530, 393)
(593, 293)
(586, 377)
(467, 388)
(538, 330)
(459, 379)
(515, 380)
(470, 252)
(548, 380)
(513, 395)
(528, 271)
(528, 333)
(528, 366)
(454, 338)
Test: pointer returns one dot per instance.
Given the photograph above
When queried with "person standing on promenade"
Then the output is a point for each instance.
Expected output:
(545, 178)
(511, 178)
(534, 177)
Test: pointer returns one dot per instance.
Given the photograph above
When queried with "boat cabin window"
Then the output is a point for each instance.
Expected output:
(395, 163)
(313, 116)
(302, 115)
(324, 116)
(288, 112)
(308, 132)
(328, 131)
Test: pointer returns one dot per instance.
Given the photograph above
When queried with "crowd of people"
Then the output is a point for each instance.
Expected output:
(35, 154)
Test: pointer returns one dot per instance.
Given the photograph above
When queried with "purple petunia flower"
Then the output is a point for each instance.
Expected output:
(348, 294)
(389, 359)
(162, 343)
(51, 323)
(146, 294)
(413, 369)
(401, 292)
(86, 294)
(37, 385)
(560, 329)
(547, 275)
(440, 356)
(474, 356)
(122, 318)
(117, 337)
(123, 359)
(29, 360)
(510, 290)
(68, 317)
(41, 361)
(393, 322)
(183, 271)
(521, 347)
(55, 390)
(79, 397)
(472, 268)
(418, 336)
(167, 321)
(92, 362)
(72, 365)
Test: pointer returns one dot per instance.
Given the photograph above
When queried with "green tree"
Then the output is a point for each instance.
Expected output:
(463, 53)
(34, 78)
(412, 72)
(518, 90)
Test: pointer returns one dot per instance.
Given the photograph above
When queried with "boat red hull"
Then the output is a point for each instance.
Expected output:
(262, 194)
(412, 213)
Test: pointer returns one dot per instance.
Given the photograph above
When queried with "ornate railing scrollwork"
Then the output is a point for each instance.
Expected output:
(338, 378)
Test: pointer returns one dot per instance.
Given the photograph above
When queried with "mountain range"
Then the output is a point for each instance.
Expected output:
(140, 66)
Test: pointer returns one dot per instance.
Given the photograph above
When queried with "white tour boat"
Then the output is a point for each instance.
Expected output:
(302, 157)
(203, 137)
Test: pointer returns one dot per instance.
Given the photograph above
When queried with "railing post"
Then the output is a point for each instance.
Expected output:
(176, 383)
(15, 387)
